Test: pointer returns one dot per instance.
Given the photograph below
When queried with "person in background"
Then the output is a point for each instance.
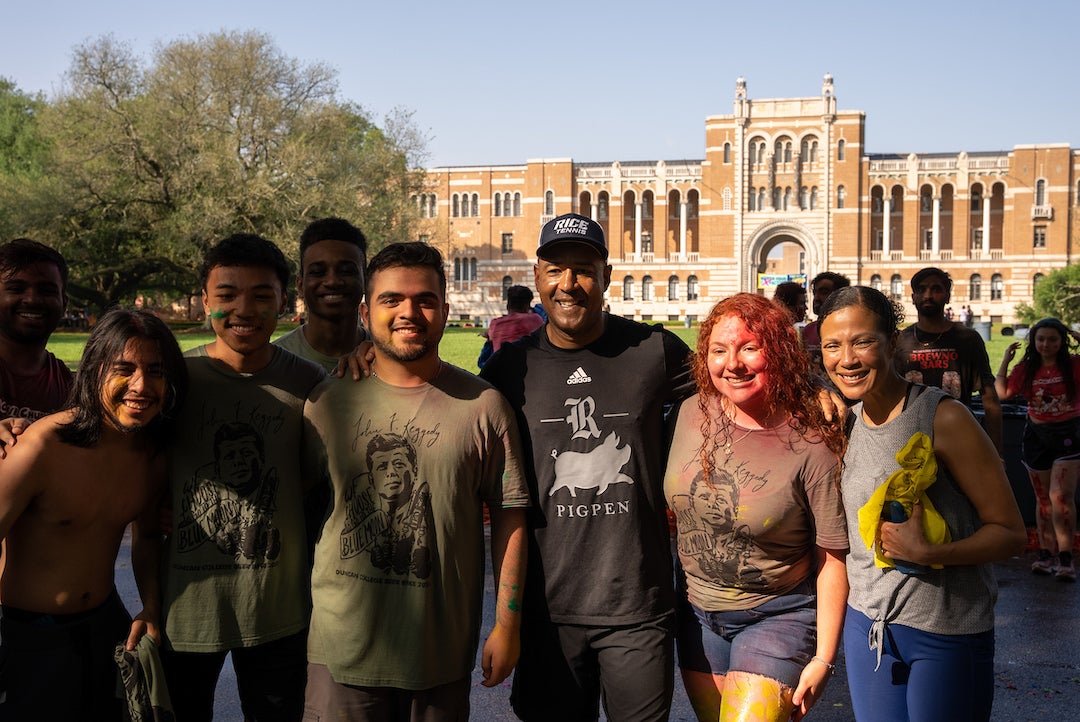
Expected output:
(823, 285)
(68, 491)
(753, 481)
(793, 297)
(519, 319)
(937, 352)
(1048, 376)
(33, 283)
(928, 509)
(333, 253)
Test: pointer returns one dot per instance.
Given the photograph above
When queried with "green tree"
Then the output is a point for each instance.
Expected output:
(154, 161)
(1057, 295)
(23, 151)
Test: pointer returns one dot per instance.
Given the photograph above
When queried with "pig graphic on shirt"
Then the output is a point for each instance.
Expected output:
(595, 469)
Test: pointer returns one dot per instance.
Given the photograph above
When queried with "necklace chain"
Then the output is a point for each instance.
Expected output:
(730, 443)
(931, 341)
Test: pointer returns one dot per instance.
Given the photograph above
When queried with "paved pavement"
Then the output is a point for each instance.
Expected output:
(1037, 667)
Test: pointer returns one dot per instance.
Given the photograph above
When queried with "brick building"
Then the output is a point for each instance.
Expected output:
(785, 183)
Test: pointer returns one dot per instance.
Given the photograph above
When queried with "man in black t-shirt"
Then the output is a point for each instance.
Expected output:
(938, 352)
(591, 392)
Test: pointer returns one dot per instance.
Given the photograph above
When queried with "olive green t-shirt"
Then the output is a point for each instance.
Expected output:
(236, 571)
(397, 588)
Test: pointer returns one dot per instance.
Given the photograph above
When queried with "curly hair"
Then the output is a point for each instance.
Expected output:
(792, 388)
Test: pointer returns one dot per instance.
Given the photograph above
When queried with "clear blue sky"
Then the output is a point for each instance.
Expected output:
(502, 82)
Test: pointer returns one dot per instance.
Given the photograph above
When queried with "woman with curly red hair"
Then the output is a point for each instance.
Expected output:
(752, 478)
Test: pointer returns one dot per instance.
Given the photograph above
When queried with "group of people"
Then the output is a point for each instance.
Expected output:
(327, 531)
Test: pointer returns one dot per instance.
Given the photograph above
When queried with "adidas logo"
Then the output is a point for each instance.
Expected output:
(578, 377)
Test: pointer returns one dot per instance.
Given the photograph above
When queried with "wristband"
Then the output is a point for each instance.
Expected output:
(832, 667)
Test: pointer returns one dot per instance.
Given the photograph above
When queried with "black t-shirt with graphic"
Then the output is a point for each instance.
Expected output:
(593, 428)
(954, 361)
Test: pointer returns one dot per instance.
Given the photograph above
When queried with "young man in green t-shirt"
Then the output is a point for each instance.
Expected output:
(236, 563)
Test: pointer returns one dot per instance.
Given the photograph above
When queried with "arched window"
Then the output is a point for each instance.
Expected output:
(455, 208)
(777, 197)
(1040, 192)
(761, 152)
(761, 199)
(507, 282)
(727, 199)
(475, 205)
(727, 152)
(813, 198)
(498, 204)
(472, 269)
(841, 196)
(457, 270)
(896, 287)
(628, 288)
(813, 152)
(602, 207)
(673, 288)
(875, 282)
(432, 206)
(787, 151)
(841, 145)
(1035, 280)
(804, 149)
(751, 200)
(997, 287)
(692, 204)
(692, 288)
(975, 287)
(517, 204)
(647, 288)
(804, 198)
(549, 203)
(787, 197)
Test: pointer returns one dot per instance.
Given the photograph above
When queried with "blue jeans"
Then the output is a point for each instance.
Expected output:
(775, 639)
(923, 677)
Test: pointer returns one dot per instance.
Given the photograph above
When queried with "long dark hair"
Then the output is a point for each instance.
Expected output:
(104, 346)
(1032, 360)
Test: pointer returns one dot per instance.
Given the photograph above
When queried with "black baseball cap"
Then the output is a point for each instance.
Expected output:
(573, 228)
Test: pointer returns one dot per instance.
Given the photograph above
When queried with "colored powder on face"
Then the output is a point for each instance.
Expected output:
(217, 314)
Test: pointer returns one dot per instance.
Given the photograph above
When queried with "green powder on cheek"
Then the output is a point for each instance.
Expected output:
(217, 314)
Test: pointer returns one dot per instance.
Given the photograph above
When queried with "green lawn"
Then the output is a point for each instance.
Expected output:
(460, 346)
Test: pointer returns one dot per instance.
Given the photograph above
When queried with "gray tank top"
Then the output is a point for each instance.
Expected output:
(955, 600)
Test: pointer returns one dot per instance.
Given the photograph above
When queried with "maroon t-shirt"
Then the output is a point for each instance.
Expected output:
(31, 397)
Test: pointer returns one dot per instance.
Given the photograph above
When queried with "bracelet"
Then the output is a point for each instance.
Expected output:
(832, 667)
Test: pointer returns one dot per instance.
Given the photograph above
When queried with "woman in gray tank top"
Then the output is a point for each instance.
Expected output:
(928, 509)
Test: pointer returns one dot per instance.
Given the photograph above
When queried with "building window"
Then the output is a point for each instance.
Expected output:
(761, 199)
(896, 287)
(813, 152)
(432, 205)
(673, 288)
(692, 288)
(976, 200)
(475, 205)
(628, 288)
(727, 199)
(727, 152)
(776, 197)
(1040, 192)
(997, 287)
(602, 208)
(841, 196)
(549, 203)
(813, 198)
(928, 239)
(424, 238)
(975, 287)
(455, 207)
(1038, 237)
(647, 288)
(517, 205)
(804, 198)
(508, 243)
(498, 204)
(787, 197)
(507, 282)
(840, 147)
(976, 238)
(1035, 281)
(875, 282)
(751, 200)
